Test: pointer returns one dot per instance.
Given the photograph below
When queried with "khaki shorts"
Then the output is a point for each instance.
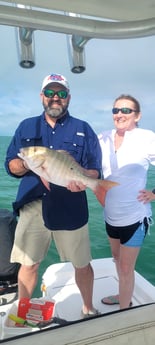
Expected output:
(33, 239)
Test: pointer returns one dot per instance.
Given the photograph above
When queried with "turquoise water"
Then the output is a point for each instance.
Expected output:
(99, 243)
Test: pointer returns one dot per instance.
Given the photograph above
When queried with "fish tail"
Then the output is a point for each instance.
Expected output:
(101, 189)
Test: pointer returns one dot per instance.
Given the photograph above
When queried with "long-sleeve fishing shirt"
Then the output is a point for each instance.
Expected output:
(62, 209)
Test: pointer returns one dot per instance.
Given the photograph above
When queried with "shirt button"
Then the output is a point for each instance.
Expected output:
(51, 147)
(53, 132)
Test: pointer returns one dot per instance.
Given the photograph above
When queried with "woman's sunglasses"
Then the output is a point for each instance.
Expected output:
(51, 93)
(123, 110)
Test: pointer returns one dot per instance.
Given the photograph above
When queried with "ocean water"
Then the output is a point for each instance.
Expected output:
(99, 243)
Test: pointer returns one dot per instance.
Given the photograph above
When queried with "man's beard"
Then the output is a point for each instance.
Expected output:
(55, 113)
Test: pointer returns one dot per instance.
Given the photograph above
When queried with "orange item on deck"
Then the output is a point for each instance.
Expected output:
(36, 309)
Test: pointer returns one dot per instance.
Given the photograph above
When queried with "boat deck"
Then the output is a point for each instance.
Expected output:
(60, 286)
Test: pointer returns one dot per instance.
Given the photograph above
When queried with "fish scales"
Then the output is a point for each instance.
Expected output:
(60, 168)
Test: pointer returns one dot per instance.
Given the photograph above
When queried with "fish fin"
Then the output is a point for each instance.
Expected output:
(63, 151)
(69, 156)
(101, 189)
(45, 183)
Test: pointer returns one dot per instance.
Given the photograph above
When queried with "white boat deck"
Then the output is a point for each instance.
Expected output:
(59, 284)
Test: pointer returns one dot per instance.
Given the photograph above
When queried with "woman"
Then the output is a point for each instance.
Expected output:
(127, 153)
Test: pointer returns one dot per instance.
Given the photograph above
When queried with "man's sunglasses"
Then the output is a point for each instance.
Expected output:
(123, 110)
(51, 93)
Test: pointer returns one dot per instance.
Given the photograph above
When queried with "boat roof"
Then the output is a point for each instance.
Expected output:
(79, 20)
(94, 19)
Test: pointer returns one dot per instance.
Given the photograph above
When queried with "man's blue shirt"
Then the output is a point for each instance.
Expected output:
(62, 209)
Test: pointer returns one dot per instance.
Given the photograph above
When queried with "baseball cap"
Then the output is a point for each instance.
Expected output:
(55, 78)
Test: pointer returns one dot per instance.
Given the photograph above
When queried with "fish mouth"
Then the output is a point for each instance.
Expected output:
(34, 156)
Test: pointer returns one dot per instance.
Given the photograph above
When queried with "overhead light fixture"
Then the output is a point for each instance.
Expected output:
(25, 47)
(76, 52)
(25, 43)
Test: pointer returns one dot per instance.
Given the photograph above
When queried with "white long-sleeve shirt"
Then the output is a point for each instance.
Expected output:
(128, 166)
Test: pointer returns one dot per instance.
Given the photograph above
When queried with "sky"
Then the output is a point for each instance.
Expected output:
(113, 67)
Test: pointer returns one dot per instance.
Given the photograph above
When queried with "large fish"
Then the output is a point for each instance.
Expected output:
(60, 168)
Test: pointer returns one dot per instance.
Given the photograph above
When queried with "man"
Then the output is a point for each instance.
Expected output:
(65, 210)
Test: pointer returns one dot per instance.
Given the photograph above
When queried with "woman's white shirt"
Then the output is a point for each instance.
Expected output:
(128, 166)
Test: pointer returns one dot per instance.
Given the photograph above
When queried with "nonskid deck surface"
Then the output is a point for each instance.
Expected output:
(61, 287)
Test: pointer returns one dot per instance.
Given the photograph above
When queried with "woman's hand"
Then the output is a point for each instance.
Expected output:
(146, 196)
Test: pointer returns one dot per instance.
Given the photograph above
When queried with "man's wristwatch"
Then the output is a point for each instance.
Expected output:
(153, 191)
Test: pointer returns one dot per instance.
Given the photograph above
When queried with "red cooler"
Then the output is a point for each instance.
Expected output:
(35, 309)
